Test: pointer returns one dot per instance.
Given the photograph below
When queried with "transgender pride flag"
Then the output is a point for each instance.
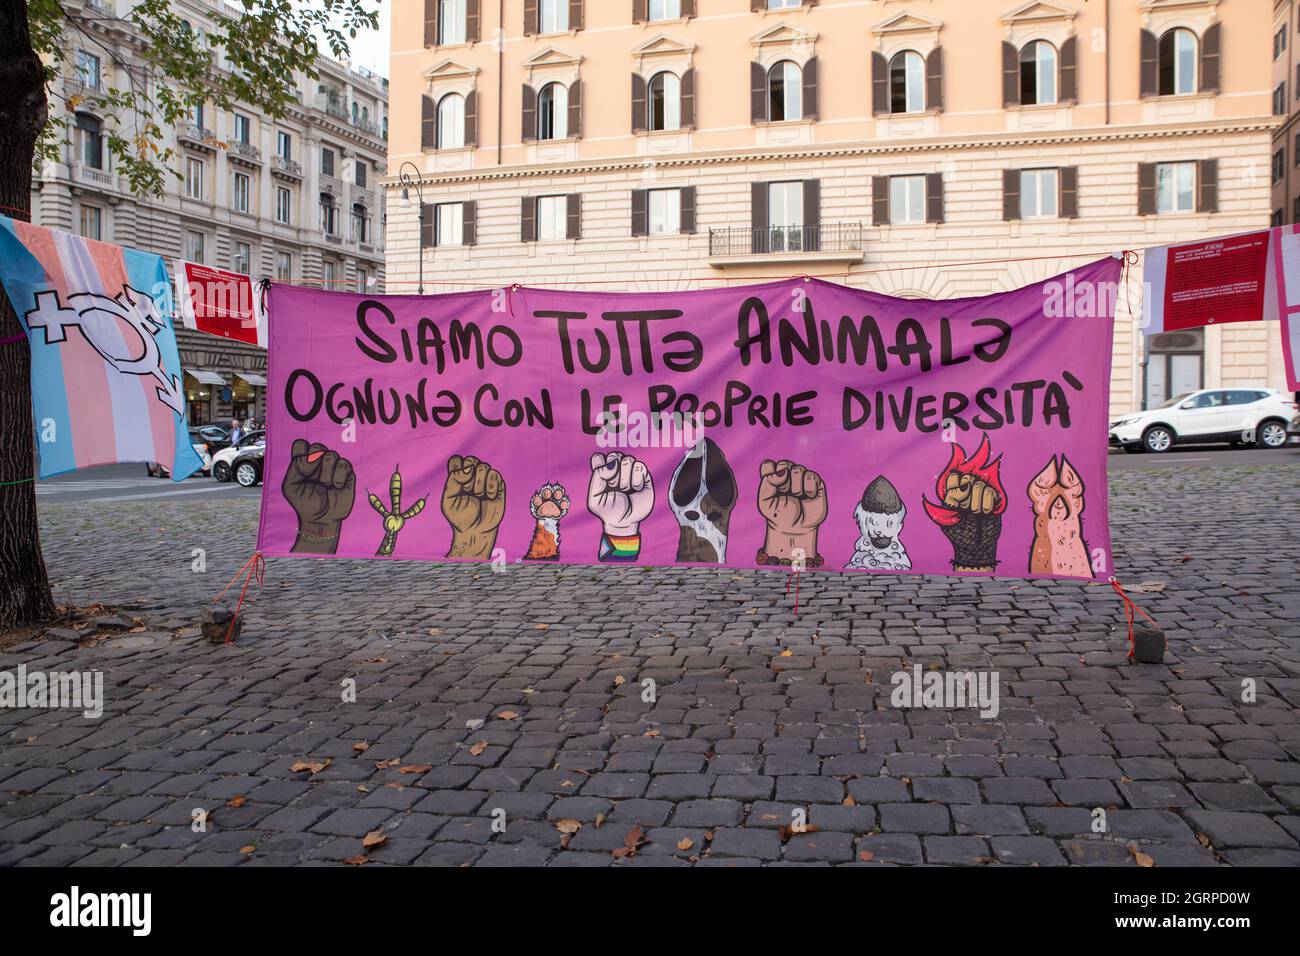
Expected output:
(106, 374)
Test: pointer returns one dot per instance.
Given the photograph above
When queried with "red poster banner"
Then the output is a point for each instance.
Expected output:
(1217, 281)
(219, 303)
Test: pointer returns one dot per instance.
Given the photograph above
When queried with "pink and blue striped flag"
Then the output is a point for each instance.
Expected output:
(106, 373)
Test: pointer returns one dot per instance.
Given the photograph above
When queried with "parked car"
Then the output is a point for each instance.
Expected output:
(199, 440)
(1236, 416)
(1294, 429)
(222, 460)
(247, 466)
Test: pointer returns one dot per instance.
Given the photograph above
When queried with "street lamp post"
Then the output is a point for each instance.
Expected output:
(408, 183)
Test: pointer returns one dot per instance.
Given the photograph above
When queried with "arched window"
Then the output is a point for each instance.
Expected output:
(365, 115)
(907, 83)
(360, 223)
(784, 92)
(1177, 62)
(329, 222)
(1038, 73)
(451, 121)
(356, 113)
(553, 112)
(665, 102)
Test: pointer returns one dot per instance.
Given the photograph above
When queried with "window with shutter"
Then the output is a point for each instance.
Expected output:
(1207, 185)
(1010, 194)
(1210, 60)
(688, 99)
(574, 217)
(879, 84)
(528, 219)
(757, 93)
(880, 200)
(934, 197)
(469, 214)
(471, 119)
(1146, 189)
(758, 216)
(688, 209)
(575, 109)
(1148, 64)
(1070, 71)
(428, 217)
(1069, 192)
(809, 110)
(934, 80)
(640, 212)
(431, 22)
(529, 114)
(428, 123)
(639, 99)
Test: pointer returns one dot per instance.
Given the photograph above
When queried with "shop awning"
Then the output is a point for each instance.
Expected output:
(252, 378)
(206, 377)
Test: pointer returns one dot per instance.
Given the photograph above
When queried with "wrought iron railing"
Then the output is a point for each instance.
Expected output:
(746, 240)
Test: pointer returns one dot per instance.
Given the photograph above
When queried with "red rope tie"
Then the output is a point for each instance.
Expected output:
(1129, 608)
(253, 567)
(795, 576)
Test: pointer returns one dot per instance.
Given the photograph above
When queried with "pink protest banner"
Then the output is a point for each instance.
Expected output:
(796, 424)
(1284, 297)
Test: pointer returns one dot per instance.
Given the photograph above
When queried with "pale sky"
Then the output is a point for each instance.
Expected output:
(370, 49)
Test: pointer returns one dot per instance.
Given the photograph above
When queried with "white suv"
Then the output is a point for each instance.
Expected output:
(1235, 415)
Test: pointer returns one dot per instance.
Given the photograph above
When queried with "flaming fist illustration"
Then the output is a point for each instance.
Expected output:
(972, 502)
(549, 504)
(473, 502)
(621, 494)
(321, 488)
(1056, 493)
(792, 500)
(394, 519)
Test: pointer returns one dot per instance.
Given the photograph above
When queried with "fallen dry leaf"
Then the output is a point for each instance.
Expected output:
(507, 715)
(385, 764)
(359, 860)
(787, 653)
(315, 766)
(685, 843)
(478, 748)
(620, 680)
(651, 733)
(850, 802)
(435, 631)
(1142, 859)
(634, 840)
(236, 801)
(416, 768)
(540, 627)
(866, 856)
(248, 849)
(567, 826)
(374, 838)
(361, 746)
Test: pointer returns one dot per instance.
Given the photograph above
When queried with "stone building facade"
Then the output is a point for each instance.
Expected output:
(893, 145)
(295, 198)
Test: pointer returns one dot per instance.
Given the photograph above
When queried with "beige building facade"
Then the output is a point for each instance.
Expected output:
(891, 145)
(295, 198)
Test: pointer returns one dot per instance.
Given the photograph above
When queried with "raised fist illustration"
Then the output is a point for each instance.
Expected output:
(473, 502)
(321, 488)
(792, 500)
(972, 501)
(621, 494)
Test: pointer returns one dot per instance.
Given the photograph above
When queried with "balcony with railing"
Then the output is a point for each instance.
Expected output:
(195, 135)
(828, 241)
(286, 167)
(245, 153)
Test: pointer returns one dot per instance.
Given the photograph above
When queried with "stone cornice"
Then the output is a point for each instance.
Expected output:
(918, 145)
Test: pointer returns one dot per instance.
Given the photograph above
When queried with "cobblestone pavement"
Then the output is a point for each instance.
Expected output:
(518, 696)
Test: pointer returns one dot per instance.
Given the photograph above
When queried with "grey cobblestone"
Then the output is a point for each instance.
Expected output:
(737, 738)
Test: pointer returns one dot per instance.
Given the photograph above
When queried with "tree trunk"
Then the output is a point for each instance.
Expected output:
(25, 596)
